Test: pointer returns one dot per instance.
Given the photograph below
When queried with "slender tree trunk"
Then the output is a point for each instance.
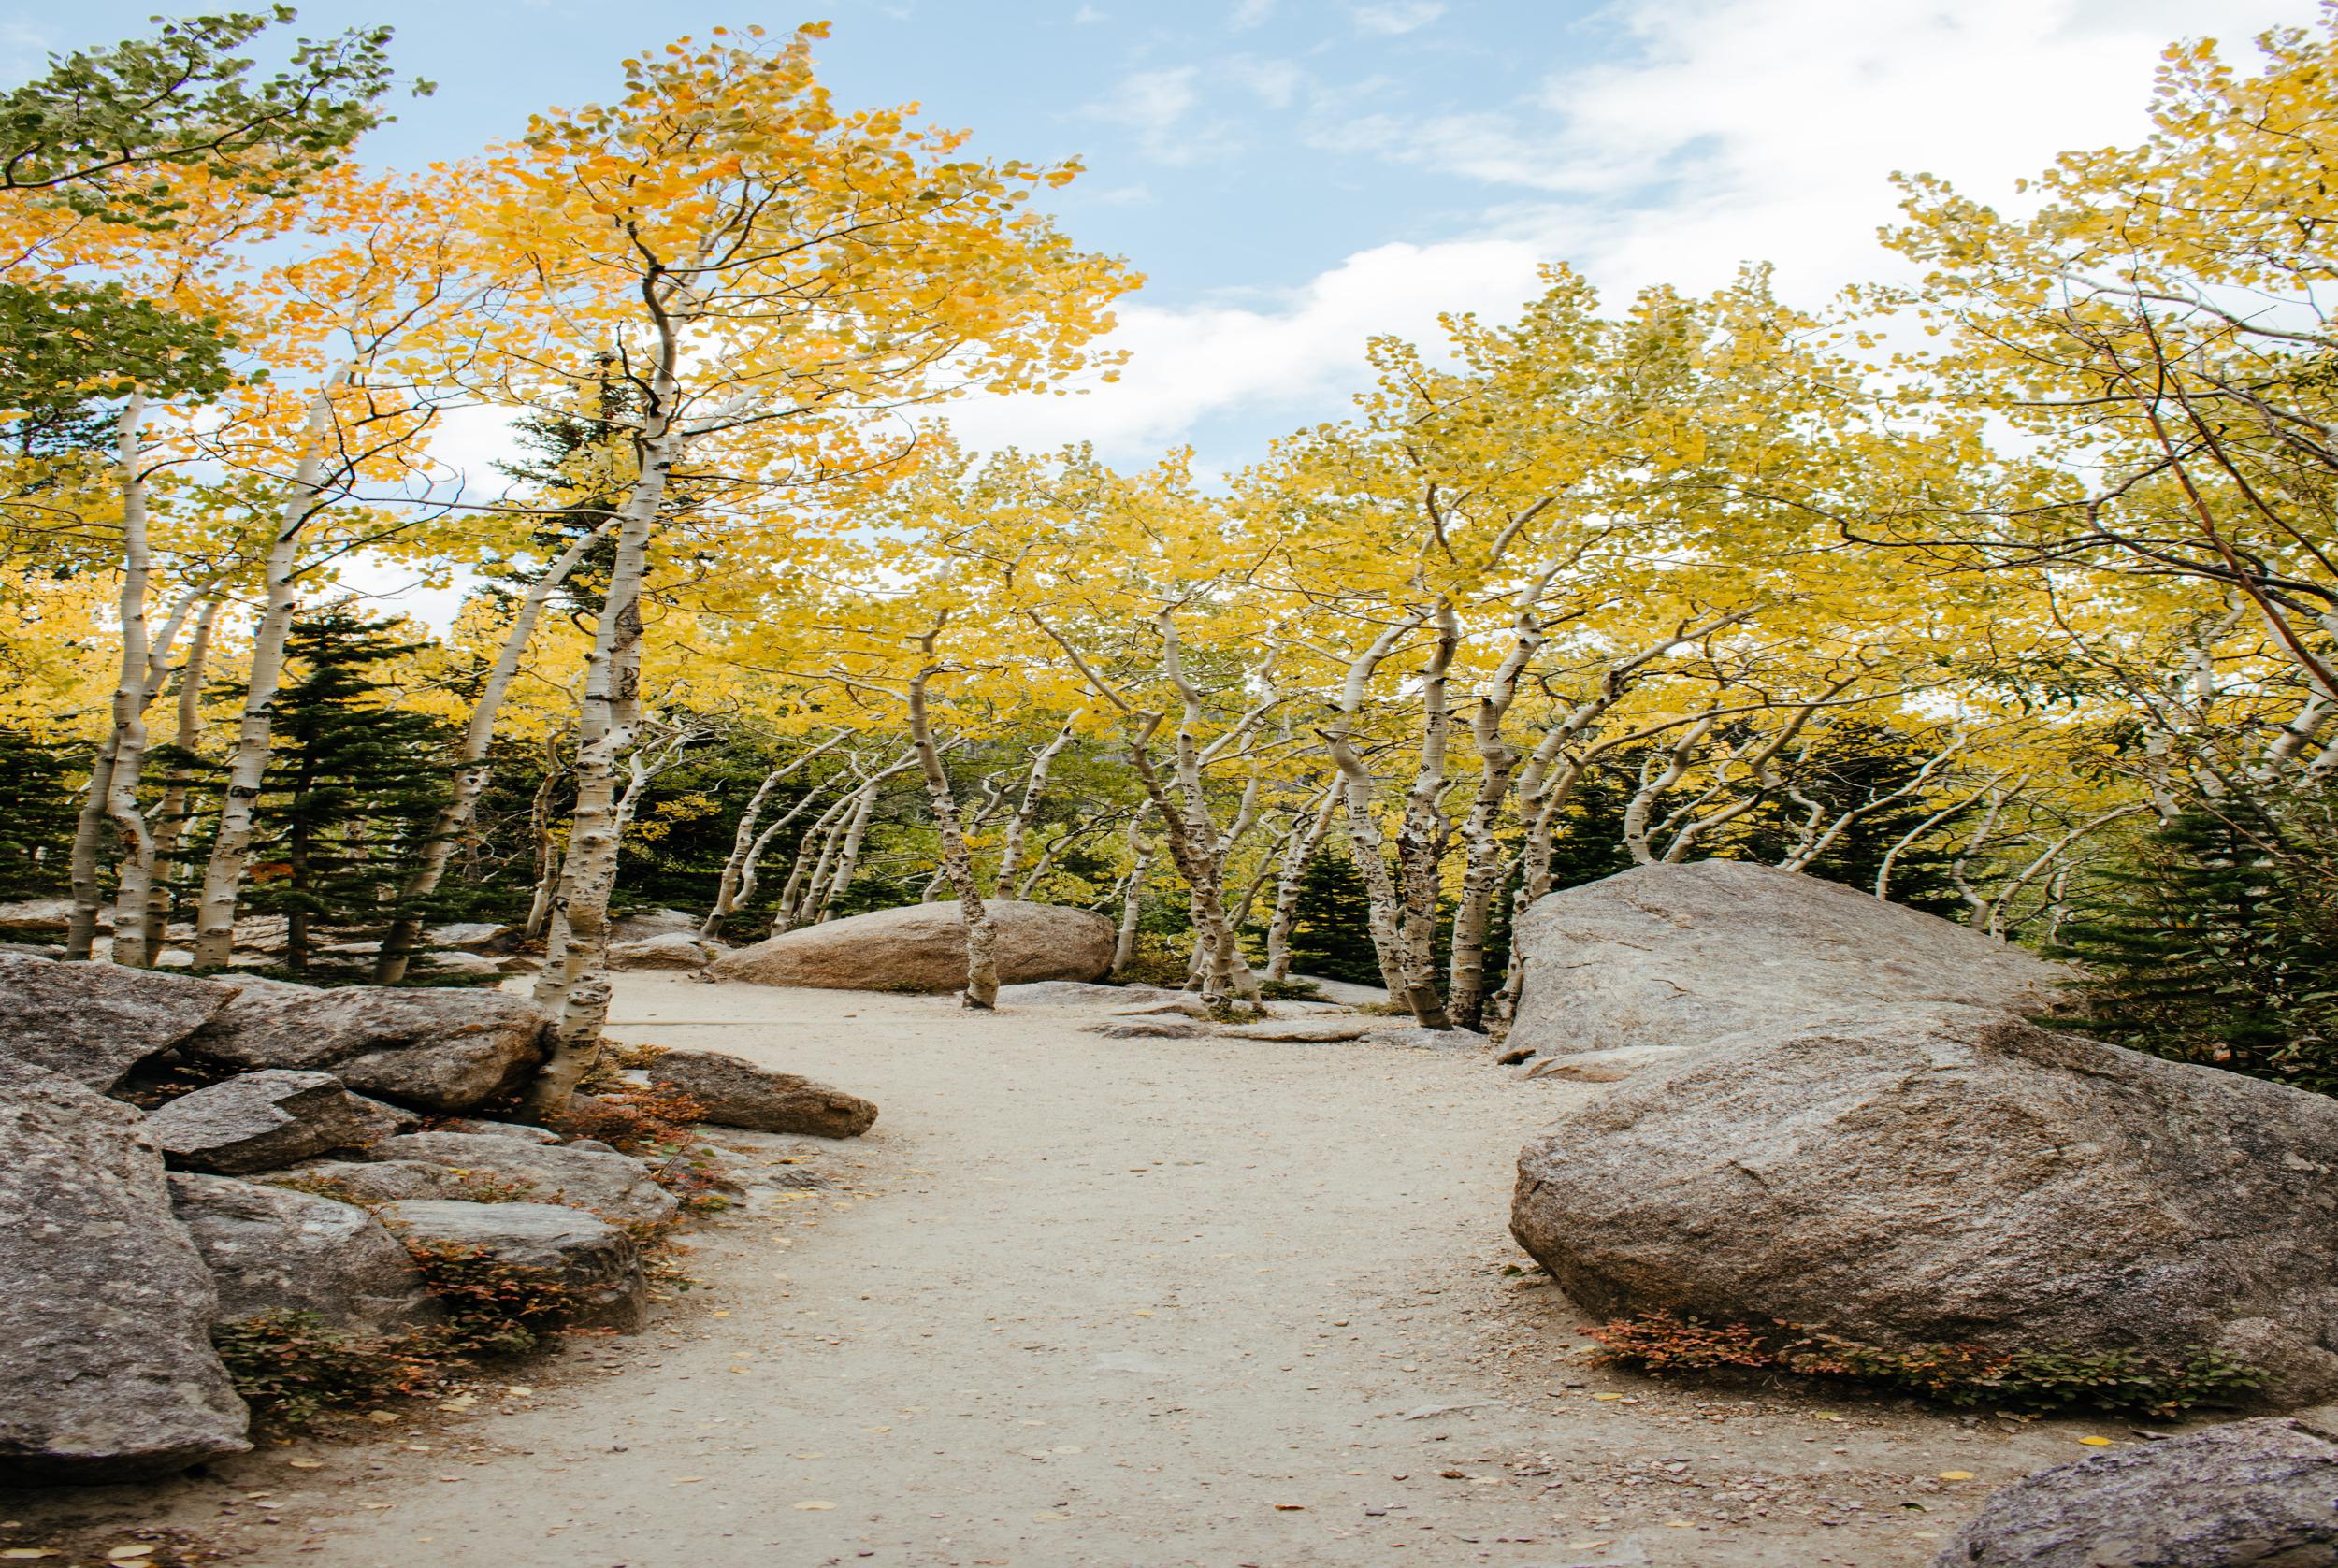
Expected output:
(1483, 860)
(1363, 829)
(574, 983)
(982, 966)
(1132, 894)
(539, 834)
(472, 770)
(89, 832)
(848, 857)
(1035, 790)
(170, 815)
(794, 892)
(231, 849)
(1419, 840)
(131, 695)
(746, 844)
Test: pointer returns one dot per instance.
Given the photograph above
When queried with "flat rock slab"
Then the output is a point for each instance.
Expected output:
(667, 950)
(274, 1250)
(595, 1263)
(495, 1129)
(1316, 1031)
(1079, 992)
(2254, 1492)
(1604, 1067)
(738, 1093)
(1419, 1039)
(434, 1049)
(93, 1022)
(1171, 1028)
(105, 1307)
(259, 1121)
(614, 1185)
(1680, 954)
(1952, 1175)
(922, 948)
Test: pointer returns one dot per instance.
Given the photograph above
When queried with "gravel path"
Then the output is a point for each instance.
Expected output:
(1078, 1301)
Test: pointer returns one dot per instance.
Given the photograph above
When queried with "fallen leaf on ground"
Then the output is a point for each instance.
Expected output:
(816, 1506)
(306, 1464)
(686, 1481)
(26, 1554)
(129, 1554)
(1604, 1397)
(1290, 1507)
(382, 1417)
(1956, 1475)
(2096, 1442)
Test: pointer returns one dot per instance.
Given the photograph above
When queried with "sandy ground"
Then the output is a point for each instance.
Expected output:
(1078, 1301)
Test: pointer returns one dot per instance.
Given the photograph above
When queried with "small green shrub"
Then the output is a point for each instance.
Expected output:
(1287, 990)
(493, 1309)
(634, 1118)
(291, 1368)
(2126, 1381)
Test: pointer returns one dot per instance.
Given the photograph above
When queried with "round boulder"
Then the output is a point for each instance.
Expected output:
(1935, 1175)
(2254, 1492)
(922, 948)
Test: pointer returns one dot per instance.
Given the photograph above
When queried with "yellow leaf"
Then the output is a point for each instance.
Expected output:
(816, 1506)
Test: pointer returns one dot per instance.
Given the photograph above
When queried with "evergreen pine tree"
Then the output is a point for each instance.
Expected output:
(37, 829)
(1331, 937)
(352, 787)
(2211, 948)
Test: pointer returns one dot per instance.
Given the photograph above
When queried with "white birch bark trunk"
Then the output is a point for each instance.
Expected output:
(574, 983)
(982, 966)
(746, 843)
(1132, 895)
(172, 812)
(472, 771)
(1359, 788)
(231, 848)
(1418, 838)
(833, 886)
(1035, 790)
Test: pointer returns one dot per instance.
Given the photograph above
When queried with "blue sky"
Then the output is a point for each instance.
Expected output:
(1294, 175)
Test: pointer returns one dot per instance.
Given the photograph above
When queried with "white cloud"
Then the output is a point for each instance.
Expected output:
(1157, 108)
(1770, 129)
(1394, 18)
(1278, 363)
(1250, 14)
(1275, 83)
(1088, 14)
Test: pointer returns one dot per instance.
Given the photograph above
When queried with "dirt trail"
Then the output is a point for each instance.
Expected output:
(1125, 1303)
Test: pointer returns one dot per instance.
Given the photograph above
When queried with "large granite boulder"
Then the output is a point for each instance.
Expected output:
(1678, 954)
(434, 1049)
(594, 1263)
(462, 1165)
(2254, 1492)
(738, 1093)
(645, 924)
(1936, 1174)
(271, 1250)
(105, 1307)
(259, 1121)
(922, 948)
(92, 1022)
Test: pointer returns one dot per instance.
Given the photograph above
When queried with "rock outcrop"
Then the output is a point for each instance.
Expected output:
(93, 1022)
(2262, 1492)
(922, 948)
(433, 1049)
(272, 1250)
(461, 1165)
(258, 1121)
(1680, 955)
(594, 1264)
(738, 1093)
(667, 950)
(1931, 1174)
(105, 1307)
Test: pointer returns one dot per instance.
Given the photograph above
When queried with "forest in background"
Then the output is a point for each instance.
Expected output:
(2009, 595)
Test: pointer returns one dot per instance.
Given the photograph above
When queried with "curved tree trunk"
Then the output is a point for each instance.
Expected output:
(982, 966)
(461, 807)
